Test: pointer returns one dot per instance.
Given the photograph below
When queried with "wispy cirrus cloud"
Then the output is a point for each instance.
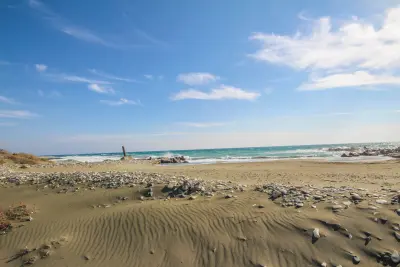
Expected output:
(354, 54)
(68, 28)
(62, 77)
(112, 77)
(219, 93)
(40, 67)
(120, 102)
(101, 89)
(197, 78)
(203, 124)
(51, 94)
(7, 100)
(17, 114)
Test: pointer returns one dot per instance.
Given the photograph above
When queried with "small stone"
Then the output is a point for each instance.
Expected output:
(356, 259)
(381, 201)
(336, 208)
(31, 260)
(395, 257)
(141, 197)
(192, 197)
(397, 236)
(228, 196)
(260, 206)
(214, 250)
(44, 253)
(349, 236)
(346, 203)
(324, 264)
(151, 251)
(313, 206)
(398, 212)
(299, 204)
(315, 233)
(383, 220)
(86, 257)
(318, 197)
(356, 197)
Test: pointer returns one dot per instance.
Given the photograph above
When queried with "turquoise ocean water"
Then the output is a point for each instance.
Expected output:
(246, 154)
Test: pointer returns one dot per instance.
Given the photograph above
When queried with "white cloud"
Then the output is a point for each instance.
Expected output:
(196, 78)
(360, 52)
(203, 124)
(17, 114)
(40, 67)
(101, 88)
(52, 94)
(120, 102)
(7, 100)
(74, 78)
(148, 76)
(358, 78)
(222, 92)
(111, 77)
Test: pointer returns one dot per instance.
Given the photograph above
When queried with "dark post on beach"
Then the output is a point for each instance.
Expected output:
(123, 151)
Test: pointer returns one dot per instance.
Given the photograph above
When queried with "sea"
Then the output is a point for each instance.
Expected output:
(327, 152)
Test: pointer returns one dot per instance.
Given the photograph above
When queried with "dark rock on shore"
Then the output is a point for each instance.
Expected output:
(389, 152)
(177, 159)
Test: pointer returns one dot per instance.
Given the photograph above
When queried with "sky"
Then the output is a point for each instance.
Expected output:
(90, 76)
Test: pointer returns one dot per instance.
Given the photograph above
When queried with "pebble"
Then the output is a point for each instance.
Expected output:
(381, 201)
(324, 264)
(397, 236)
(336, 208)
(192, 197)
(315, 233)
(356, 259)
(228, 196)
(398, 212)
(299, 204)
(395, 257)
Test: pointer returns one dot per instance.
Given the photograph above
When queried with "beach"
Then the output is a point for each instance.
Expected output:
(137, 213)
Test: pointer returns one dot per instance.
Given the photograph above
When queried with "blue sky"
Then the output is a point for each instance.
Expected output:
(89, 76)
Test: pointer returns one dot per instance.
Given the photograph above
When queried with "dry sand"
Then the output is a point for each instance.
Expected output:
(209, 231)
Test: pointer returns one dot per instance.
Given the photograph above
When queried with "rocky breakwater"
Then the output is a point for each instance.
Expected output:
(365, 151)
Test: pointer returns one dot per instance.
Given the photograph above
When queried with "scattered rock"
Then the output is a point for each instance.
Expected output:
(381, 201)
(356, 260)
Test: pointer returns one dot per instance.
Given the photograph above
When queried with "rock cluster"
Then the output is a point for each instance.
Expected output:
(340, 198)
(389, 152)
(63, 182)
(176, 159)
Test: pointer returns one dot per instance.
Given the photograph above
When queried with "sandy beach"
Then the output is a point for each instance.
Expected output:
(281, 213)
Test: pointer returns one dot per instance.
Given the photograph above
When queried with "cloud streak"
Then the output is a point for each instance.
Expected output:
(7, 100)
(69, 29)
(112, 77)
(120, 102)
(220, 93)
(197, 78)
(354, 54)
(17, 114)
(101, 89)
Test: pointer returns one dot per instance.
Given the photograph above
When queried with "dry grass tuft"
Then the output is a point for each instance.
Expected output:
(20, 158)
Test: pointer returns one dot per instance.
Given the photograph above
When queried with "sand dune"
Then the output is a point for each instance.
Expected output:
(202, 232)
